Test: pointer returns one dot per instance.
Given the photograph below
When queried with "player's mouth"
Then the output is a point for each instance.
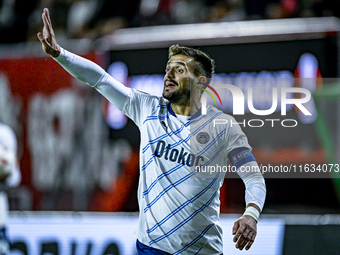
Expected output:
(170, 84)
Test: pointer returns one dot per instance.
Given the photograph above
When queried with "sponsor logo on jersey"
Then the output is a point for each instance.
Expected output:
(178, 155)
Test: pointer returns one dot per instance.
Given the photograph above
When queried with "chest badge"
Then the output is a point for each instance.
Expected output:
(203, 137)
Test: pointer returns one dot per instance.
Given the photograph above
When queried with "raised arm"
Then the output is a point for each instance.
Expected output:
(81, 68)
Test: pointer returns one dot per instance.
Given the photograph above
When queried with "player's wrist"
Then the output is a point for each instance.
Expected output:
(252, 212)
(55, 52)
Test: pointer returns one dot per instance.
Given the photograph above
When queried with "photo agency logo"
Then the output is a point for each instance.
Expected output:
(201, 85)
(269, 95)
(239, 99)
(283, 99)
(276, 100)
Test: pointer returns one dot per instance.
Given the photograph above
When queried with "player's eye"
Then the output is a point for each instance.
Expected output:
(180, 70)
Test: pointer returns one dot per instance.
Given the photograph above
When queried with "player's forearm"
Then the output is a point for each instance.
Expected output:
(255, 190)
(81, 68)
(95, 76)
(255, 185)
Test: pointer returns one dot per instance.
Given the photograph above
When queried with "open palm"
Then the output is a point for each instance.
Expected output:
(47, 37)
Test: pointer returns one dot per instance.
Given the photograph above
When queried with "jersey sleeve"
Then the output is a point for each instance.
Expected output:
(239, 152)
(235, 137)
(139, 105)
(95, 76)
(135, 104)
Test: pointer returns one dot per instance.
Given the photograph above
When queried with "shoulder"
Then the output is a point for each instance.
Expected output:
(222, 121)
(216, 114)
(145, 95)
(226, 125)
(149, 96)
(148, 101)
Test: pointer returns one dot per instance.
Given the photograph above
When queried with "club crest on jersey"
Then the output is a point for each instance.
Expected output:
(203, 137)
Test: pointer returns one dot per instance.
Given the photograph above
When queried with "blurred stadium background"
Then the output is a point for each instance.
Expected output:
(79, 155)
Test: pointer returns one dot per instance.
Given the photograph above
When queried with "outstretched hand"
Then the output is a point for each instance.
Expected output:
(47, 37)
(245, 232)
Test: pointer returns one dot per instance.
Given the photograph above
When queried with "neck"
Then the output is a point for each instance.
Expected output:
(187, 110)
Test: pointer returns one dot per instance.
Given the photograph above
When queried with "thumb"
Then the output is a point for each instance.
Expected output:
(43, 40)
(40, 37)
(45, 44)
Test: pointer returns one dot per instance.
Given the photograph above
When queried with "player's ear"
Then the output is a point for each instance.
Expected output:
(202, 79)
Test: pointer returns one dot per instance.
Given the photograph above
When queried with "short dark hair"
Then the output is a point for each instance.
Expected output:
(205, 65)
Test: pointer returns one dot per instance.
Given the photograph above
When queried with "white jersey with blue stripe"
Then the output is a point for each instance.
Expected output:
(179, 213)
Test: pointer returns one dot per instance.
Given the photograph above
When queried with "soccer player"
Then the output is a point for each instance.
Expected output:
(10, 176)
(179, 210)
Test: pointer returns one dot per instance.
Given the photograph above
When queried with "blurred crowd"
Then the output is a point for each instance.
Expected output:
(20, 20)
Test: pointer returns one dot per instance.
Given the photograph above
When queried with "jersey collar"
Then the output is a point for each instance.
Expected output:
(197, 114)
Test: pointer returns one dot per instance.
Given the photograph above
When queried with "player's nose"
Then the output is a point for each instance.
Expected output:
(170, 73)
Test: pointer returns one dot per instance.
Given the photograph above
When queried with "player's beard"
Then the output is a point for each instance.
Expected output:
(180, 97)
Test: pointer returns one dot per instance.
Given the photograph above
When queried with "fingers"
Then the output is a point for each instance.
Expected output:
(47, 24)
(47, 13)
(43, 37)
(43, 16)
(245, 234)
(249, 245)
(47, 37)
(235, 227)
(243, 241)
(246, 241)
(238, 233)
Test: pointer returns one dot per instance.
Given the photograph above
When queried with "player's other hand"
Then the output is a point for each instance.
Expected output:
(47, 37)
(244, 232)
